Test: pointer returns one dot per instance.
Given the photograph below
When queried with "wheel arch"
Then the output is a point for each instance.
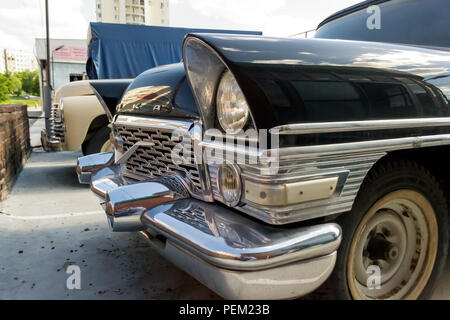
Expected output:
(79, 113)
(434, 159)
(96, 123)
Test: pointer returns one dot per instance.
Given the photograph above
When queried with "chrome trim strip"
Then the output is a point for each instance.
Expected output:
(310, 152)
(154, 123)
(365, 125)
(360, 147)
(197, 136)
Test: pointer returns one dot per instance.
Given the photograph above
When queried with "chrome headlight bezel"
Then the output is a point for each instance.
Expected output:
(205, 69)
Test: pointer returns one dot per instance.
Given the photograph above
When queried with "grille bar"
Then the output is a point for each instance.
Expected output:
(57, 128)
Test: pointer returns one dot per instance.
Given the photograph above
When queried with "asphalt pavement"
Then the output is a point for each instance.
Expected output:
(50, 222)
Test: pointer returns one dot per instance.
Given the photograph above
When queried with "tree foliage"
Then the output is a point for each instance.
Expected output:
(30, 82)
(4, 87)
(16, 83)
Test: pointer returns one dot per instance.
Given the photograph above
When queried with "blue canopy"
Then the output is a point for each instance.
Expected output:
(119, 51)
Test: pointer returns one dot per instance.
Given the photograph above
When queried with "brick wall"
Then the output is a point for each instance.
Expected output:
(14, 144)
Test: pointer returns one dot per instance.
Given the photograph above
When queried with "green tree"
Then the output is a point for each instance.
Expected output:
(15, 84)
(30, 81)
(5, 84)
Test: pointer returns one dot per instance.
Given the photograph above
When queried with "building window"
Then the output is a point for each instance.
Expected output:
(162, 5)
(115, 9)
(116, 17)
(162, 21)
(142, 2)
(99, 6)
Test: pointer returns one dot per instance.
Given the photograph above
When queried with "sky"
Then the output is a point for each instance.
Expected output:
(23, 20)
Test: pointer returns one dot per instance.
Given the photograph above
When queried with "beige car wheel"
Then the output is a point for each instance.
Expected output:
(107, 147)
(395, 238)
(399, 237)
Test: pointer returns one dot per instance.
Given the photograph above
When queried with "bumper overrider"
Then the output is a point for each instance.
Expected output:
(88, 165)
(235, 256)
(50, 143)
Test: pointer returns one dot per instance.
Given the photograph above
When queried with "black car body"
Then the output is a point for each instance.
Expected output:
(348, 141)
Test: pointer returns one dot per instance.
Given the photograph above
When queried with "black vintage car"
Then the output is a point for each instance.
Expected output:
(268, 167)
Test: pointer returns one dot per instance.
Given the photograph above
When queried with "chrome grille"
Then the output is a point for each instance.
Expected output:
(154, 161)
(56, 125)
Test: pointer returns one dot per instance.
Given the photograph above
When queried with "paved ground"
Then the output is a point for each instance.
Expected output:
(50, 222)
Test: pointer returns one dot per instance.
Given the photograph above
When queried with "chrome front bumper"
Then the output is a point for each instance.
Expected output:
(235, 256)
(239, 258)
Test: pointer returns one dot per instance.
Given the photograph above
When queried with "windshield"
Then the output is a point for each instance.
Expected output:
(418, 22)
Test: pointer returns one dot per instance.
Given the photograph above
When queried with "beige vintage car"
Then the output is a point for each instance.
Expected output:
(78, 119)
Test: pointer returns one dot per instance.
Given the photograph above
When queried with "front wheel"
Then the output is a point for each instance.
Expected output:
(99, 142)
(395, 239)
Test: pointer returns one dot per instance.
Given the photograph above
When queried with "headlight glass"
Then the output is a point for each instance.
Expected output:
(232, 108)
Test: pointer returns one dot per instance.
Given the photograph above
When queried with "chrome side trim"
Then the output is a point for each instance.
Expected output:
(360, 147)
(300, 163)
(230, 241)
(351, 170)
(349, 126)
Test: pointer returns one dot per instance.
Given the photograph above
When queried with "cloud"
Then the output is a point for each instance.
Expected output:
(248, 12)
(21, 21)
(273, 17)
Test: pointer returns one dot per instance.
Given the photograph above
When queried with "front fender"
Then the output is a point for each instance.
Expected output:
(286, 80)
(79, 112)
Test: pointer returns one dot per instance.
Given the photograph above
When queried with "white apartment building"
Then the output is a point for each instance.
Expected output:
(142, 12)
(17, 61)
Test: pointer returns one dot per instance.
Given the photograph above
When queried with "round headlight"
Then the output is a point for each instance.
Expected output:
(229, 184)
(232, 108)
